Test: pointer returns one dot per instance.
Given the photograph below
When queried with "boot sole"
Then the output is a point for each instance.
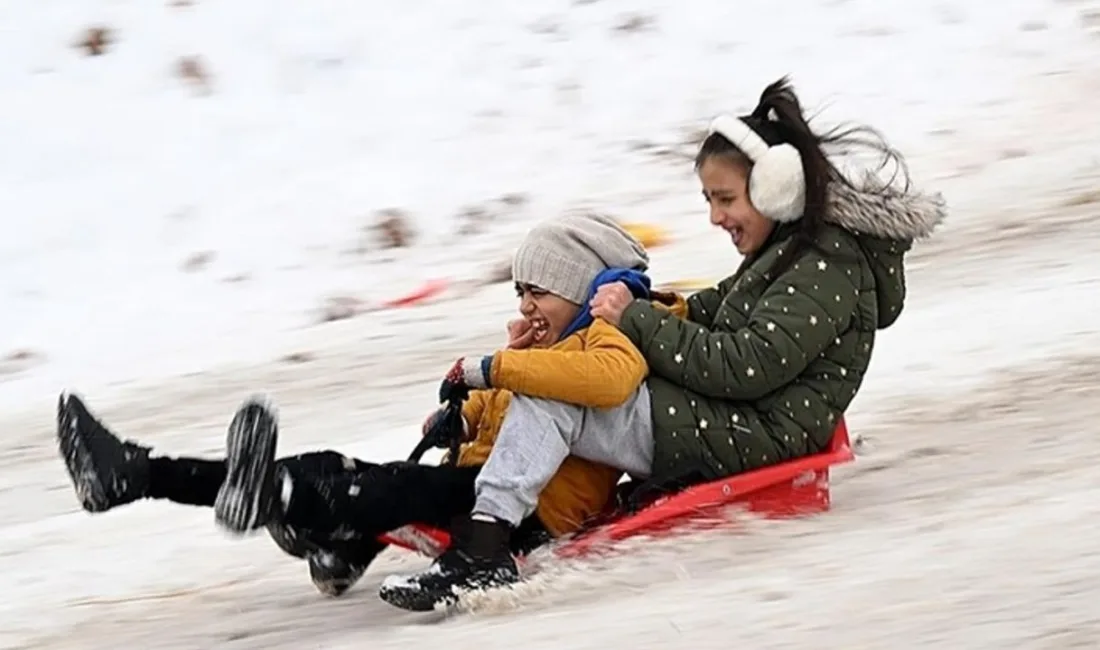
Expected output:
(402, 592)
(79, 463)
(411, 598)
(245, 497)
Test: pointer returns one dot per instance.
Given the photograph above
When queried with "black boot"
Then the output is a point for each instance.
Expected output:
(106, 472)
(313, 491)
(288, 539)
(248, 498)
(335, 569)
(477, 559)
(332, 574)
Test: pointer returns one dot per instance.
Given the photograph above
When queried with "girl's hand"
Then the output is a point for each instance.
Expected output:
(610, 301)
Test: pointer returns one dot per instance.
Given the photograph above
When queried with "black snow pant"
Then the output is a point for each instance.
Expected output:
(342, 504)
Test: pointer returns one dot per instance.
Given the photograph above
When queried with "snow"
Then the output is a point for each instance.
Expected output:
(971, 522)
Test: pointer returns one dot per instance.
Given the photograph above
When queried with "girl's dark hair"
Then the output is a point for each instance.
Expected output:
(778, 119)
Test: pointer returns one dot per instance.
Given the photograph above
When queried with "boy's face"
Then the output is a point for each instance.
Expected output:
(548, 314)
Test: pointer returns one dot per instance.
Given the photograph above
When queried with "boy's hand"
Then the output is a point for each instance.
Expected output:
(468, 373)
(521, 334)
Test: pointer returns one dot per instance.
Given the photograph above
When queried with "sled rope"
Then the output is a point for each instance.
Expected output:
(445, 432)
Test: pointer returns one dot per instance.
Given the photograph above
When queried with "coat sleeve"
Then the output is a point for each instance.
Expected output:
(799, 315)
(703, 305)
(602, 375)
(474, 408)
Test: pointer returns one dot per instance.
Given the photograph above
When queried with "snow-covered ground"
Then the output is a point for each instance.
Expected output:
(970, 523)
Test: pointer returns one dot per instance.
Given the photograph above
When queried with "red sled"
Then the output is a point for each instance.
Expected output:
(792, 489)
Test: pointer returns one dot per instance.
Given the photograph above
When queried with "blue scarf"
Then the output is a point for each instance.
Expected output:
(636, 281)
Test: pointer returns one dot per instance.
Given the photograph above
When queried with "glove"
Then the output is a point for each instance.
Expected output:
(468, 373)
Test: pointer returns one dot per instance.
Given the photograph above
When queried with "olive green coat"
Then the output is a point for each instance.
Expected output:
(763, 366)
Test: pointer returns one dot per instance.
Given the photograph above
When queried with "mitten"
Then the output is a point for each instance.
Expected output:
(468, 373)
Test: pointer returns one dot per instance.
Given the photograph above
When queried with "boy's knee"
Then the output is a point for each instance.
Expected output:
(536, 414)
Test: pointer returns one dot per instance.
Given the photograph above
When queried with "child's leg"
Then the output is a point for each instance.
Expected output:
(108, 472)
(335, 564)
(195, 481)
(536, 437)
(327, 498)
(339, 513)
(188, 481)
(373, 499)
(325, 495)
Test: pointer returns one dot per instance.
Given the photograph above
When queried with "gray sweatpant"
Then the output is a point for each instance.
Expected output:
(538, 434)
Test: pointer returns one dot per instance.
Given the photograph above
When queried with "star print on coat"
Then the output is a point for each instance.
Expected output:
(762, 366)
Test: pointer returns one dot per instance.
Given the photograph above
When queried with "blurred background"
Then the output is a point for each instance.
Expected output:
(201, 200)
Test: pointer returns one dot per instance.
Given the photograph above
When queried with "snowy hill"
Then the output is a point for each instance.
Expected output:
(118, 175)
(176, 210)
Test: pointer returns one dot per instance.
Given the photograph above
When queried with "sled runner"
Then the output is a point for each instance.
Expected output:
(790, 489)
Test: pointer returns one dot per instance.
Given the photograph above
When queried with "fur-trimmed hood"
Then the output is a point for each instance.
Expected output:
(885, 221)
(871, 207)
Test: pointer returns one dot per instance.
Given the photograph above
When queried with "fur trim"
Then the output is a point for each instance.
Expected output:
(874, 208)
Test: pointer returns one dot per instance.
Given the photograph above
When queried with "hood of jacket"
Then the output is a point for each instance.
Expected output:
(885, 220)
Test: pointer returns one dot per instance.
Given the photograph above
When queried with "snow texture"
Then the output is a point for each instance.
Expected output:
(165, 251)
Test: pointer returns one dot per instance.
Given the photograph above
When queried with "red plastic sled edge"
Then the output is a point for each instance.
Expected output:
(791, 489)
(429, 289)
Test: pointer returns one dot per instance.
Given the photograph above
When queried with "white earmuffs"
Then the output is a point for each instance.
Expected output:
(777, 185)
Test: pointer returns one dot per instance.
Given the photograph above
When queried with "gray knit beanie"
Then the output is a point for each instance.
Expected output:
(564, 255)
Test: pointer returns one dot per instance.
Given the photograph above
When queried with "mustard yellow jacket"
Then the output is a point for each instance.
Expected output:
(596, 367)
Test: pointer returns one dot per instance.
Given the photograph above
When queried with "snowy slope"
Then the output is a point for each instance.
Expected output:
(114, 173)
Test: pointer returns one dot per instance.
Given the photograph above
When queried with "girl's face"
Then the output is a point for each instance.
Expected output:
(726, 189)
(547, 313)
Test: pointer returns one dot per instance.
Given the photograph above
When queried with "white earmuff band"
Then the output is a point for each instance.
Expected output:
(740, 135)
